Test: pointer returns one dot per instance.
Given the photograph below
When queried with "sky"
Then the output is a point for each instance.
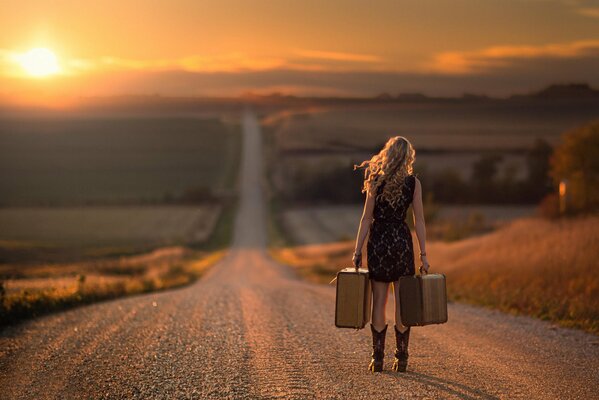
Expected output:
(307, 47)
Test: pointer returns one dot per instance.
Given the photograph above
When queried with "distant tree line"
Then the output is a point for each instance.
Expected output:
(324, 184)
(341, 184)
(487, 186)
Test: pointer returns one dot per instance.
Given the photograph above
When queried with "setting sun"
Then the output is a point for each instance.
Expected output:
(39, 62)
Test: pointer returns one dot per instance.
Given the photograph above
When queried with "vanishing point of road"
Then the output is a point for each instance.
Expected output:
(251, 329)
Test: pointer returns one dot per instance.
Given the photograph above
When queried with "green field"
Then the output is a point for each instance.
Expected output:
(128, 160)
(71, 233)
(80, 187)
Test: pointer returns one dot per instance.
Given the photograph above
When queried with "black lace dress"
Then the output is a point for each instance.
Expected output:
(390, 250)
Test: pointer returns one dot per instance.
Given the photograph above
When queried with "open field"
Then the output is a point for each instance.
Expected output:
(435, 125)
(33, 291)
(50, 234)
(449, 137)
(93, 160)
(534, 266)
(100, 206)
(324, 224)
(44, 286)
(531, 266)
(92, 185)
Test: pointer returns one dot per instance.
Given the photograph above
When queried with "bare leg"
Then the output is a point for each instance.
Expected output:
(398, 323)
(379, 303)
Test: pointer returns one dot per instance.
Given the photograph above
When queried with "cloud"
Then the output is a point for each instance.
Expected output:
(592, 12)
(465, 62)
(496, 70)
(226, 62)
(449, 62)
(239, 61)
(9, 65)
(337, 56)
(300, 59)
(527, 75)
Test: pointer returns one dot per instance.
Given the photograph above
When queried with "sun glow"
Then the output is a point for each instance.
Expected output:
(39, 62)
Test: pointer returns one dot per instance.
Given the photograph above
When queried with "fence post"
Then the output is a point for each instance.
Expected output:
(563, 196)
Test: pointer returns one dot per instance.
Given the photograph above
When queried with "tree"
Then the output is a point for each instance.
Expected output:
(508, 189)
(537, 162)
(576, 160)
(449, 187)
(484, 171)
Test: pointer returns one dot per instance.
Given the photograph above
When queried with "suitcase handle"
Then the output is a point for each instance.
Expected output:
(422, 269)
(335, 278)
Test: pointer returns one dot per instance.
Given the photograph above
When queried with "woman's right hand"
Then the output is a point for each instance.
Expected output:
(357, 260)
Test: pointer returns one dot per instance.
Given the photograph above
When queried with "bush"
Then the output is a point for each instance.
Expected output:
(576, 161)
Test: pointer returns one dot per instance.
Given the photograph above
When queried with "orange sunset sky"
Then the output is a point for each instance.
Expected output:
(332, 47)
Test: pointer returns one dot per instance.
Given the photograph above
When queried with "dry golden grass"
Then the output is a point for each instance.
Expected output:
(547, 269)
(316, 262)
(543, 268)
(46, 288)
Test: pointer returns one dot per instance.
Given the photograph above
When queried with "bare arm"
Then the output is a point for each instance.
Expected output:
(365, 222)
(419, 224)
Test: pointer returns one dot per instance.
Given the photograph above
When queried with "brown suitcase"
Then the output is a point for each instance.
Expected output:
(423, 299)
(354, 299)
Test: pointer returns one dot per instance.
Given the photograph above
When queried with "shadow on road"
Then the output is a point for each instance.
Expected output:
(451, 388)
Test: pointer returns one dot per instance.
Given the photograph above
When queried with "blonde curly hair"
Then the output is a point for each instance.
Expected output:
(392, 164)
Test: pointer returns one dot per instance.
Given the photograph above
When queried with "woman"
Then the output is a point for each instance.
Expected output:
(390, 188)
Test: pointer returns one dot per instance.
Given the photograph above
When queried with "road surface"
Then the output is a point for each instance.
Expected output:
(251, 329)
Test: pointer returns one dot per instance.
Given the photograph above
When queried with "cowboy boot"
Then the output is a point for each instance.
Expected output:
(401, 351)
(378, 349)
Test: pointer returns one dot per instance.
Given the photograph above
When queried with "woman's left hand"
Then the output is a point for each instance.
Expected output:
(425, 265)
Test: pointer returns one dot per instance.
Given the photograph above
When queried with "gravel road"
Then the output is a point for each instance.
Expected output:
(251, 329)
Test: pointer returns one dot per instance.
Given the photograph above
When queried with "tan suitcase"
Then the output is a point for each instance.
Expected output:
(423, 299)
(354, 299)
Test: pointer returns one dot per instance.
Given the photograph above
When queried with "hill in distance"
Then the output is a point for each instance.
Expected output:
(559, 92)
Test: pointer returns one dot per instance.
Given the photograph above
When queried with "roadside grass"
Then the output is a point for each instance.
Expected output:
(31, 291)
(277, 234)
(458, 229)
(531, 266)
(59, 292)
(546, 269)
(318, 263)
